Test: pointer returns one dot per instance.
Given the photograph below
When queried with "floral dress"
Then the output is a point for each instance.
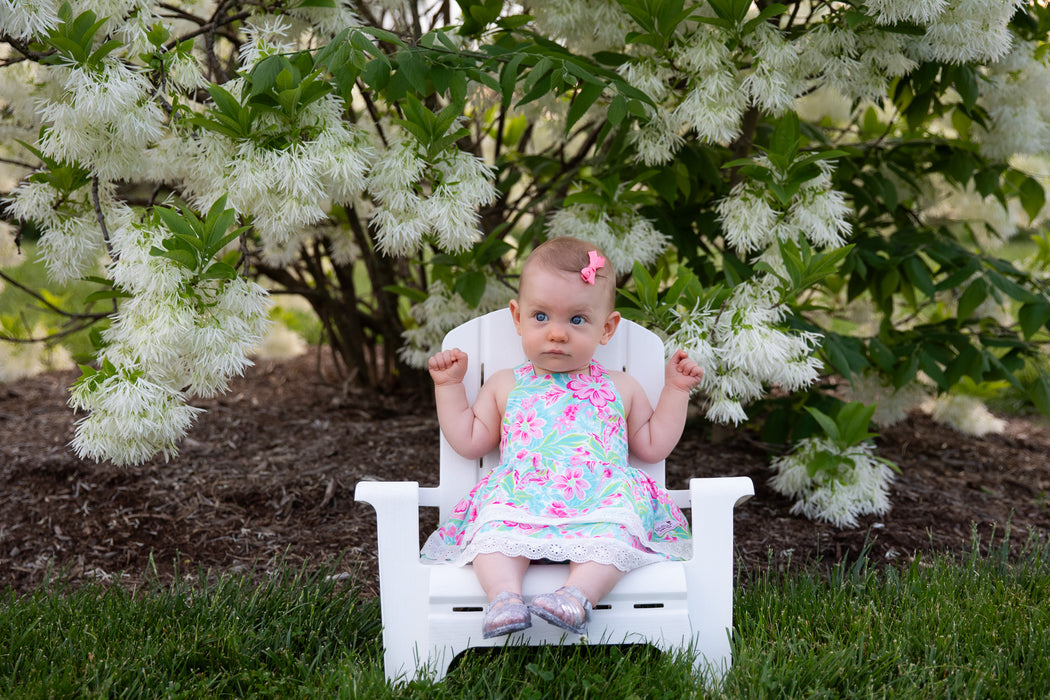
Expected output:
(564, 490)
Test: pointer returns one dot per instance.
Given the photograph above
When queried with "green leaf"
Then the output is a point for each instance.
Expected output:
(412, 66)
(263, 75)
(105, 294)
(882, 355)
(617, 110)
(1039, 394)
(416, 295)
(471, 286)
(184, 258)
(827, 423)
(175, 223)
(966, 85)
(225, 102)
(508, 79)
(376, 73)
(1033, 197)
(1033, 316)
(585, 97)
(973, 297)
(919, 275)
(785, 142)
(103, 51)
(219, 271)
(853, 420)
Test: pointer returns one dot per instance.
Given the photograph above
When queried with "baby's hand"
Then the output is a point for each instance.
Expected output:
(448, 366)
(682, 373)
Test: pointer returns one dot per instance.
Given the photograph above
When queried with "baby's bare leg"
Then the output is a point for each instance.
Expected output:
(569, 606)
(594, 580)
(500, 576)
(498, 573)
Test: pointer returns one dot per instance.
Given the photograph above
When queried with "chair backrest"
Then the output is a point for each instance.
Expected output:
(492, 343)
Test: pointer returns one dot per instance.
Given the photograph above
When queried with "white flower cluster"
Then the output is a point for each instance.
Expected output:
(965, 413)
(858, 485)
(1016, 93)
(326, 21)
(625, 235)
(184, 335)
(23, 19)
(891, 404)
(915, 11)
(71, 244)
(130, 418)
(743, 347)
(969, 30)
(170, 339)
(753, 220)
(713, 102)
(104, 118)
(442, 311)
(832, 55)
(458, 184)
(281, 189)
(773, 84)
(585, 25)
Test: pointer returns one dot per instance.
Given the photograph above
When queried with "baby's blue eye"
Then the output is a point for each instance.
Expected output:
(540, 316)
(578, 320)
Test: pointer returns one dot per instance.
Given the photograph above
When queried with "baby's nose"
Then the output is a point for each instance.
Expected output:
(557, 331)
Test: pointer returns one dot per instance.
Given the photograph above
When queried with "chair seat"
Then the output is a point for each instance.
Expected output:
(648, 606)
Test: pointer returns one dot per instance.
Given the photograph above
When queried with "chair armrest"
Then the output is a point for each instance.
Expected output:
(712, 501)
(397, 518)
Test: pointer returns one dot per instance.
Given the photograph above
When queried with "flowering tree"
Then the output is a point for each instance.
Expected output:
(790, 191)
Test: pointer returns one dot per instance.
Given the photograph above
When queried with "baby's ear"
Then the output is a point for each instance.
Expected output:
(612, 322)
(515, 313)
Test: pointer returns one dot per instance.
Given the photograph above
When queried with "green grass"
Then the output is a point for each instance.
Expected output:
(976, 627)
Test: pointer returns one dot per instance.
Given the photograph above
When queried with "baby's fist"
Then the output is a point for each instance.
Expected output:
(448, 366)
(682, 373)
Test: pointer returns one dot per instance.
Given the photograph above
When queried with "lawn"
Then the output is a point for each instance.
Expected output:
(971, 626)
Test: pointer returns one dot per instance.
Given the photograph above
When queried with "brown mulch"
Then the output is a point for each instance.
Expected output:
(267, 477)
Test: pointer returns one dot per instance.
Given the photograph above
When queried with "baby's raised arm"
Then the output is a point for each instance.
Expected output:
(653, 433)
(472, 430)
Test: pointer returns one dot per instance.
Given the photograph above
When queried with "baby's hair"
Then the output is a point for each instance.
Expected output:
(571, 255)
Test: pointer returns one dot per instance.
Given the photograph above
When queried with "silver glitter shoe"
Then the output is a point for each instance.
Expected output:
(507, 613)
(566, 607)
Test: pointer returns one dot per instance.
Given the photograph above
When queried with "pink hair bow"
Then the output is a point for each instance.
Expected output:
(590, 272)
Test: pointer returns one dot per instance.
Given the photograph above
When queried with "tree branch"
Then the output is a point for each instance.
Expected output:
(102, 219)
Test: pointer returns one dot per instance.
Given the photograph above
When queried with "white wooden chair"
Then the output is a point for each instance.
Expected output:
(431, 613)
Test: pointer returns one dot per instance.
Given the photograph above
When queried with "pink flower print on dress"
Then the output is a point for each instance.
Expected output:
(553, 395)
(525, 426)
(591, 389)
(557, 509)
(536, 476)
(565, 421)
(571, 483)
(450, 532)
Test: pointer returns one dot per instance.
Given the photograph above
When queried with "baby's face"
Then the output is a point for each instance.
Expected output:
(561, 320)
